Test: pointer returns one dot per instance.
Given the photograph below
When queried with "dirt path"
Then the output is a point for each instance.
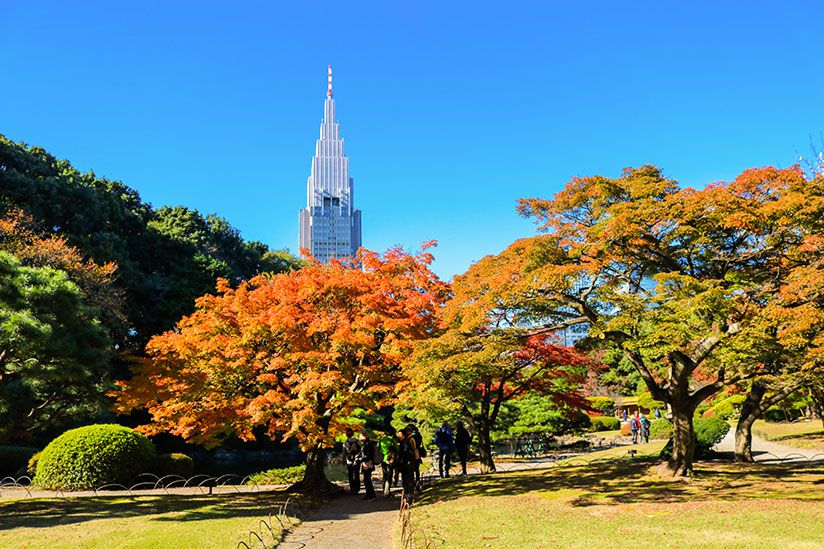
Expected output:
(347, 522)
(766, 451)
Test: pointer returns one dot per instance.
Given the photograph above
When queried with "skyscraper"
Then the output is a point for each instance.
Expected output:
(330, 226)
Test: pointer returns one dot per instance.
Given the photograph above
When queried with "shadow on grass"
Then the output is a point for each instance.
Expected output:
(43, 513)
(637, 482)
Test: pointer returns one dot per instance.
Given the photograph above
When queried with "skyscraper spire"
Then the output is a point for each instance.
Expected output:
(330, 225)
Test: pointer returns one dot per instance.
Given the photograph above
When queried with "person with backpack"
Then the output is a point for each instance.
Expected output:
(462, 441)
(645, 425)
(634, 426)
(370, 458)
(351, 456)
(407, 460)
(389, 451)
(445, 441)
(416, 436)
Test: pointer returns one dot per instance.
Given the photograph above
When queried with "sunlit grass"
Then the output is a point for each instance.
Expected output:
(136, 522)
(627, 503)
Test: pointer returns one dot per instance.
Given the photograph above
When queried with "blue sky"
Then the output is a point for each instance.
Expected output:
(450, 110)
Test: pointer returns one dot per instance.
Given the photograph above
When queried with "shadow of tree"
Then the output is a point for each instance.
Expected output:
(43, 513)
(637, 481)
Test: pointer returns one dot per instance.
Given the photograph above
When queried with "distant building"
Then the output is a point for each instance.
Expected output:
(330, 226)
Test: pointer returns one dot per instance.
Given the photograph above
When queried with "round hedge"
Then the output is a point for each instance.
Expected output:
(660, 429)
(605, 423)
(92, 456)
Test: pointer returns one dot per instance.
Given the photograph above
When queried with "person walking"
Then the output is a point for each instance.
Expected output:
(389, 451)
(407, 459)
(462, 441)
(644, 428)
(634, 425)
(370, 457)
(445, 441)
(657, 413)
(413, 432)
(351, 456)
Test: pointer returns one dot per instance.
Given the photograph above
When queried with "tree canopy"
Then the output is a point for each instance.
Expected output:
(293, 354)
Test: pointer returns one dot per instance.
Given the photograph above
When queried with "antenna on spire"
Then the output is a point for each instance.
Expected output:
(329, 90)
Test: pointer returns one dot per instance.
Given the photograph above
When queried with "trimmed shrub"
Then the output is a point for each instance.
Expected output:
(174, 464)
(660, 429)
(92, 456)
(708, 433)
(727, 408)
(285, 475)
(603, 404)
(605, 423)
(625, 430)
(699, 411)
(13, 459)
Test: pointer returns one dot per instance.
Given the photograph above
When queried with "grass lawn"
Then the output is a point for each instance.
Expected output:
(132, 522)
(625, 503)
(806, 434)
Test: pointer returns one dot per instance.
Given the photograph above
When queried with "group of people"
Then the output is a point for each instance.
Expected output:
(399, 455)
(639, 428)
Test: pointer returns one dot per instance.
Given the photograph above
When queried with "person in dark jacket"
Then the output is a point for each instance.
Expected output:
(351, 456)
(445, 441)
(369, 459)
(407, 460)
(462, 441)
(412, 431)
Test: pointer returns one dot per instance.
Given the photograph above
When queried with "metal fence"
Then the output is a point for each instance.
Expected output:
(143, 484)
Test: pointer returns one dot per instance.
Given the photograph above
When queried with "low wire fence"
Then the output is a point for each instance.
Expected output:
(143, 484)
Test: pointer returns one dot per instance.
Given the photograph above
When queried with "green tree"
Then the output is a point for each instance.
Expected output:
(53, 350)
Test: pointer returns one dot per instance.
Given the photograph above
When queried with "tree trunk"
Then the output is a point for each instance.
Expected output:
(485, 447)
(683, 441)
(314, 479)
(750, 411)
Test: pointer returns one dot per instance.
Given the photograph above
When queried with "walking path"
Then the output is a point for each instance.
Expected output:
(347, 522)
(766, 451)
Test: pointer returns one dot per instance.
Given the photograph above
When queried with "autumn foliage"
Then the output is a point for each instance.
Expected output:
(293, 354)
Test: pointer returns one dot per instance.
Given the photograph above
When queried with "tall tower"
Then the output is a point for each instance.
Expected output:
(330, 226)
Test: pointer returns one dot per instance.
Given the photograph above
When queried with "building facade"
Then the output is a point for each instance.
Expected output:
(330, 226)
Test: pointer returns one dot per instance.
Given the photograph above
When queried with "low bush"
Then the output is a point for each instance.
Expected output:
(727, 408)
(603, 404)
(625, 430)
(708, 433)
(604, 423)
(699, 411)
(285, 475)
(92, 456)
(13, 459)
(660, 429)
(174, 464)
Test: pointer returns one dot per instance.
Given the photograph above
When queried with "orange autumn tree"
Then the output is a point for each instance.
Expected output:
(294, 353)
